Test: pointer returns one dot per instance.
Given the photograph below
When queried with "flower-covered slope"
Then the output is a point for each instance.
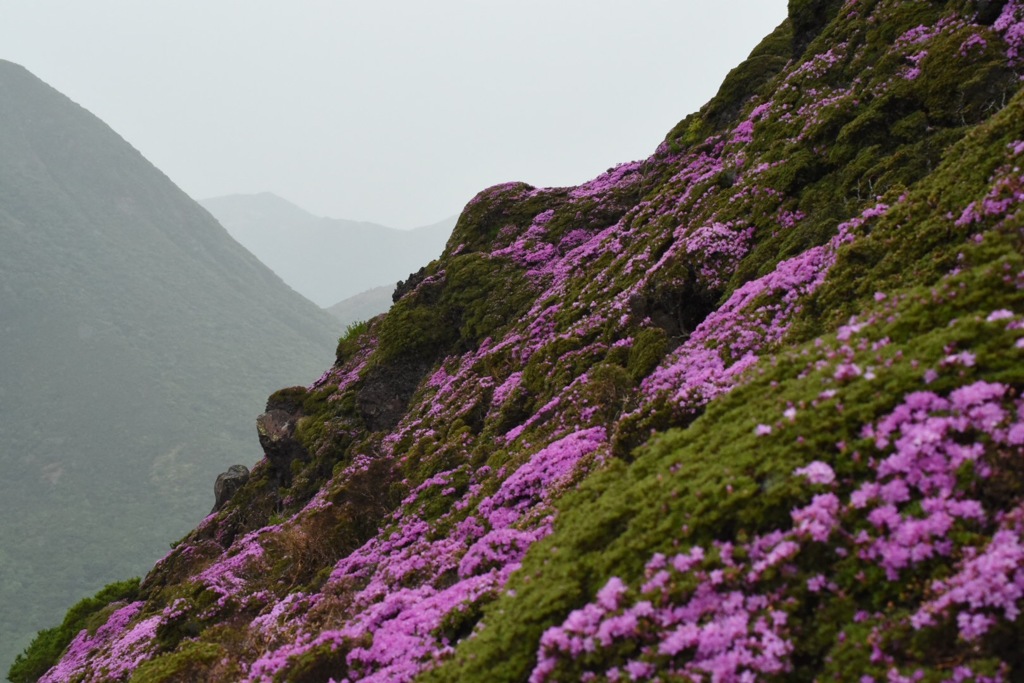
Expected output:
(749, 409)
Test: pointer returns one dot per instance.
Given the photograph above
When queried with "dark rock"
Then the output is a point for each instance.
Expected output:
(809, 18)
(405, 286)
(227, 484)
(676, 305)
(276, 429)
(989, 11)
(386, 392)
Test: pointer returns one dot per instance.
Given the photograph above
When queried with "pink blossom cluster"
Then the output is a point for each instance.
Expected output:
(726, 627)
(620, 177)
(229, 575)
(1011, 25)
(754, 317)
(547, 469)
(974, 42)
(729, 623)
(818, 65)
(111, 654)
(396, 605)
(988, 584)
(718, 248)
(1006, 195)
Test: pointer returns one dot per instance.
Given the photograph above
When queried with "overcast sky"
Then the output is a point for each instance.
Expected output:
(392, 111)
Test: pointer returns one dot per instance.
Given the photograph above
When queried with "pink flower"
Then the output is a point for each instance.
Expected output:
(817, 472)
(1001, 314)
(609, 596)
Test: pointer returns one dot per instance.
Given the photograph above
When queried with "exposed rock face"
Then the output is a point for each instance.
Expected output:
(227, 484)
(403, 287)
(385, 394)
(276, 430)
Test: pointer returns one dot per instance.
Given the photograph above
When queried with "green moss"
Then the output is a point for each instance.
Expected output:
(496, 208)
(317, 665)
(414, 329)
(808, 19)
(917, 240)
(607, 392)
(193, 661)
(484, 296)
(475, 298)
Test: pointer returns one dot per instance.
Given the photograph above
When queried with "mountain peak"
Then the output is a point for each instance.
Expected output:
(136, 342)
(325, 259)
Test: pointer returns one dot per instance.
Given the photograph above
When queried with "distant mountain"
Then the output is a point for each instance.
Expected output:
(326, 259)
(362, 306)
(138, 343)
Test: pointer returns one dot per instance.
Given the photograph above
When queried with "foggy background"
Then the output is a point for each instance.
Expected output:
(396, 112)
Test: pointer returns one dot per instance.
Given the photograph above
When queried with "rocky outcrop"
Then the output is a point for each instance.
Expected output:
(276, 429)
(227, 484)
(384, 396)
(403, 287)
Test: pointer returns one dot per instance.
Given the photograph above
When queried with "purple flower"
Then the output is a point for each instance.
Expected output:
(817, 472)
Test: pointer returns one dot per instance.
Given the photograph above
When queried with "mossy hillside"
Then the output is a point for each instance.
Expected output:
(718, 481)
(922, 234)
(716, 310)
(719, 446)
(875, 132)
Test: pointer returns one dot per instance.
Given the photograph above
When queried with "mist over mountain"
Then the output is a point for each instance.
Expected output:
(138, 342)
(749, 409)
(363, 306)
(326, 259)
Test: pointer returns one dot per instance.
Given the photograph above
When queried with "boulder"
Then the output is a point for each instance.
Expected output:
(227, 484)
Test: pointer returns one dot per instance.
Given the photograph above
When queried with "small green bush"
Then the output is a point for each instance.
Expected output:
(348, 345)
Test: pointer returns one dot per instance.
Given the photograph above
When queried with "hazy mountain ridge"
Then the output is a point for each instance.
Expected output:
(327, 260)
(749, 409)
(363, 306)
(136, 340)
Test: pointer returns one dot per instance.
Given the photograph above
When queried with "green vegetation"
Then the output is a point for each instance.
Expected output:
(46, 648)
(348, 344)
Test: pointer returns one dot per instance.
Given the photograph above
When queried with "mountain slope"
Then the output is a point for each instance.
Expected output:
(325, 259)
(136, 341)
(749, 409)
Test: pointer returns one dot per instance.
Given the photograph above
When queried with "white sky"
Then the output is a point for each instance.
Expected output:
(393, 111)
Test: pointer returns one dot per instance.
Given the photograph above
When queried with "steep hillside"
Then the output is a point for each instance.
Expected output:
(326, 259)
(137, 339)
(749, 409)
